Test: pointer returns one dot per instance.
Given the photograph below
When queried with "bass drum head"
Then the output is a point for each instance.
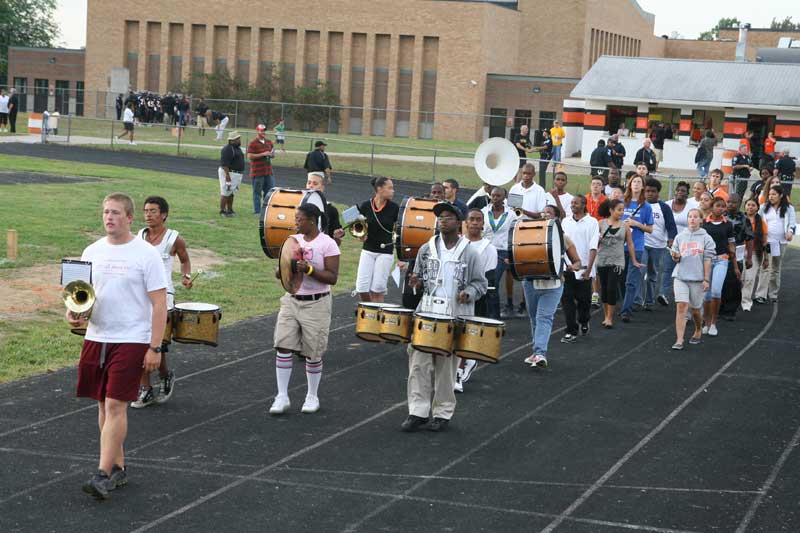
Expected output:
(316, 198)
(556, 240)
(196, 307)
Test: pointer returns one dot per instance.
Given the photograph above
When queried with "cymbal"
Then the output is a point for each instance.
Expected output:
(290, 253)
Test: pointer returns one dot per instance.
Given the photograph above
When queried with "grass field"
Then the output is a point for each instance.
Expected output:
(59, 220)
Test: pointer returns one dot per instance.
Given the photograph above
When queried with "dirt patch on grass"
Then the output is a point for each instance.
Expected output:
(26, 292)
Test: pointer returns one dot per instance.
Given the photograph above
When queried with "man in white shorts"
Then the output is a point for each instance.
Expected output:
(231, 168)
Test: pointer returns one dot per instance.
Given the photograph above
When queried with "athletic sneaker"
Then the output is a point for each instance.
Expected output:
(119, 476)
(595, 300)
(311, 405)
(507, 312)
(539, 361)
(712, 330)
(167, 386)
(146, 397)
(99, 486)
(280, 405)
(521, 312)
(458, 386)
(569, 337)
(584, 329)
(469, 367)
(663, 300)
(704, 331)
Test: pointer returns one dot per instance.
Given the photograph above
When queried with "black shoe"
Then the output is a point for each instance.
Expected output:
(439, 424)
(760, 300)
(99, 486)
(663, 300)
(413, 423)
(729, 318)
(119, 476)
(584, 329)
(223, 213)
(626, 318)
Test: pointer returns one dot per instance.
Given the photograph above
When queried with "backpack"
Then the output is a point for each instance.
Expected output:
(700, 155)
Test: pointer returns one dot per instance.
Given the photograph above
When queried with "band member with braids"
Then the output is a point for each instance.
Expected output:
(451, 274)
(304, 318)
(169, 244)
(376, 258)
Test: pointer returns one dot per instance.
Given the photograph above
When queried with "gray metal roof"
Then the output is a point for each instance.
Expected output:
(682, 81)
(778, 55)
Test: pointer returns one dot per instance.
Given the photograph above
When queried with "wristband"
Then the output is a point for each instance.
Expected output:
(706, 281)
(310, 270)
(187, 276)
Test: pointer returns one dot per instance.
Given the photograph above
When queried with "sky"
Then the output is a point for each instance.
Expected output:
(687, 17)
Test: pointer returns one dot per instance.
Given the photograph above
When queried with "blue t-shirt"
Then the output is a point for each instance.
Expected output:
(644, 216)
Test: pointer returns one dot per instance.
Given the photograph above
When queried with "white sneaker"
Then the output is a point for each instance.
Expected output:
(705, 330)
(311, 405)
(469, 367)
(280, 405)
(132, 143)
(712, 330)
(458, 386)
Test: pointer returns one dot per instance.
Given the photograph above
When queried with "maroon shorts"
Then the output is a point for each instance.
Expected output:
(117, 378)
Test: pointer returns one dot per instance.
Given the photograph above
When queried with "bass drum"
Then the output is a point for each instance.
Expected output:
(535, 248)
(277, 216)
(416, 224)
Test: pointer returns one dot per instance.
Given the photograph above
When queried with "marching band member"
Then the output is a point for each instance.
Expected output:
(169, 244)
(333, 227)
(376, 259)
(497, 221)
(123, 335)
(304, 318)
(488, 258)
(449, 271)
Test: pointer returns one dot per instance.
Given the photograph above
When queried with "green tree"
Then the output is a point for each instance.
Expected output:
(25, 23)
(784, 25)
(723, 24)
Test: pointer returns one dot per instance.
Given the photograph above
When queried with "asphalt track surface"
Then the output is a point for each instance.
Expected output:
(620, 433)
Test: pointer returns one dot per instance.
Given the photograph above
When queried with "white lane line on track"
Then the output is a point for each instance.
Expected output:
(39, 423)
(356, 525)
(660, 427)
(201, 468)
(281, 462)
(767, 486)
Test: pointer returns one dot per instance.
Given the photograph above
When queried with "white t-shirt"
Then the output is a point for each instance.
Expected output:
(774, 225)
(499, 234)
(566, 202)
(4, 104)
(127, 115)
(533, 198)
(487, 254)
(122, 277)
(585, 233)
(658, 238)
(682, 218)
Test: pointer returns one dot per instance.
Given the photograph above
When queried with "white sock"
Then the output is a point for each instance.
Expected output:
(313, 375)
(283, 371)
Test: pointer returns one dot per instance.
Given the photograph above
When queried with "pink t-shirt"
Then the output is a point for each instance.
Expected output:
(315, 252)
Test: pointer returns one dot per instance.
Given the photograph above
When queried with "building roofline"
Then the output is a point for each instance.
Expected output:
(44, 49)
(773, 30)
(681, 60)
(694, 103)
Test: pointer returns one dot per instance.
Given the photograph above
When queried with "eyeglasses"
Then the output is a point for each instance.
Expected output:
(151, 211)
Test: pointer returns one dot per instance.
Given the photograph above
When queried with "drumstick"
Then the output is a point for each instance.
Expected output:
(195, 276)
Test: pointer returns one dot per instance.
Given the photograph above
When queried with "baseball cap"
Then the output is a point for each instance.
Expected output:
(261, 127)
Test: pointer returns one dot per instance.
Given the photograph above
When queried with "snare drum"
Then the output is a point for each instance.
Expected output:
(277, 216)
(479, 338)
(196, 323)
(368, 320)
(535, 248)
(396, 324)
(416, 224)
(433, 333)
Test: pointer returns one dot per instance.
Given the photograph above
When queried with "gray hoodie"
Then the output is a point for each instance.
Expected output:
(695, 247)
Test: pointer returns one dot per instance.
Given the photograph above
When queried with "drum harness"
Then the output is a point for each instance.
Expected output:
(164, 247)
(431, 303)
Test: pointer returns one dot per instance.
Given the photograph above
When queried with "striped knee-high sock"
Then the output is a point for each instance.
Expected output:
(283, 371)
(314, 375)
